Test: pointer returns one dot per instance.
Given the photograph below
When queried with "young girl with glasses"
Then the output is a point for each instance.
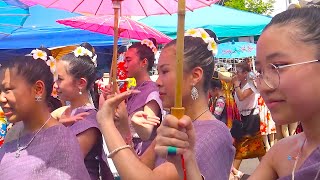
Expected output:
(288, 61)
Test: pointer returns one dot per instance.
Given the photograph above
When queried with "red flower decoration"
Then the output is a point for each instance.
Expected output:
(122, 75)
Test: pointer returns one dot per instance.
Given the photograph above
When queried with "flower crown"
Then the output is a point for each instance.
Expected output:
(201, 33)
(82, 51)
(50, 61)
(150, 45)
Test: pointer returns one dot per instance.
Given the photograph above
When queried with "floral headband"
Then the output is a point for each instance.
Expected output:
(50, 61)
(201, 33)
(82, 51)
(150, 44)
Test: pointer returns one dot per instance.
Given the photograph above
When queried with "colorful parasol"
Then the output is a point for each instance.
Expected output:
(128, 28)
(128, 8)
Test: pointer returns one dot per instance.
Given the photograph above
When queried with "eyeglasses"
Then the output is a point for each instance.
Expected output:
(271, 76)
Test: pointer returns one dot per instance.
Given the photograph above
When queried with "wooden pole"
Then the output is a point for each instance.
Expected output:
(116, 7)
(178, 110)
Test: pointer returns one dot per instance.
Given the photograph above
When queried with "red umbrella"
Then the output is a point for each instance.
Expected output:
(128, 28)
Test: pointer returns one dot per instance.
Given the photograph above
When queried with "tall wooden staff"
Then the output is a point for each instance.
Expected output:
(178, 110)
(116, 7)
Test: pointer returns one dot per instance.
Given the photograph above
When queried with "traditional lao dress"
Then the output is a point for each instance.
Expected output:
(53, 154)
(148, 92)
(95, 160)
(214, 150)
(310, 168)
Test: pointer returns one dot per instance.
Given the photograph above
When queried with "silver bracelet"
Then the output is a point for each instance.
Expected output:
(117, 150)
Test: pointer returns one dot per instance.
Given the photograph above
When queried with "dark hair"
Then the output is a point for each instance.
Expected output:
(83, 67)
(53, 103)
(244, 66)
(32, 71)
(196, 54)
(89, 47)
(305, 21)
(144, 51)
(215, 81)
(213, 35)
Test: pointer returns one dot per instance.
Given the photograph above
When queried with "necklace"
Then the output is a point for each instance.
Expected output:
(201, 114)
(21, 148)
(296, 159)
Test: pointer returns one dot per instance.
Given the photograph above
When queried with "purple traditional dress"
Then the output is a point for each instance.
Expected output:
(53, 154)
(94, 160)
(214, 149)
(149, 91)
(310, 169)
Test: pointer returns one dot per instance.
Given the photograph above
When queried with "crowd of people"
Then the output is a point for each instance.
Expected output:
(62, 138)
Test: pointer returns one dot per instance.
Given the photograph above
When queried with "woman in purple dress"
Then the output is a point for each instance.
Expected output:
(213, 152)
(44, 149)
(288, 57)
(76, 75)
(139, 60)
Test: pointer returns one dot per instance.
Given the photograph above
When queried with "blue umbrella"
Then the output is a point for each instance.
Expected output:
(236, 50)
(12, 16)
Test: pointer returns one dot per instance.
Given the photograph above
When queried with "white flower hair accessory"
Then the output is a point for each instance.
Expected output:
(201, 33)
(150, 44)
(94, 60)
(38, 54)
(82, 51)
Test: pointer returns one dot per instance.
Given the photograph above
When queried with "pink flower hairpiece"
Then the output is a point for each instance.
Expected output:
(150, 44)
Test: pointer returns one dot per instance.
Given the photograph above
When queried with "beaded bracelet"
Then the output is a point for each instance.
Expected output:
(117, 150)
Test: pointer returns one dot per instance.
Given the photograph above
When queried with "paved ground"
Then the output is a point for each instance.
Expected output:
(248, 166)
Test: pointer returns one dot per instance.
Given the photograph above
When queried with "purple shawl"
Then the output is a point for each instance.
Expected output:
(148, 91)
(93, 160)
(53, 154)
(137, 101)
(309, 168)
(214, 149)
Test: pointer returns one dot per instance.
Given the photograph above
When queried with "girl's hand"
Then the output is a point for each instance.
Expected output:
(175, 133)
(121, 115)
(106, 114)
(141, 118)
(106, 91)
(70, 120)
(235, 81)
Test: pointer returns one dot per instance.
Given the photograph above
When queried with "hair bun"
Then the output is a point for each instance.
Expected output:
(213, 35)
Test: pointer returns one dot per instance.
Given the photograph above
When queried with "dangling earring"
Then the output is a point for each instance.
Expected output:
(38, 98)
(80, 92)
(194, 93)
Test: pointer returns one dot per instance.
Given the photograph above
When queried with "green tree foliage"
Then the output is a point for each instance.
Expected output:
(255, 6)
